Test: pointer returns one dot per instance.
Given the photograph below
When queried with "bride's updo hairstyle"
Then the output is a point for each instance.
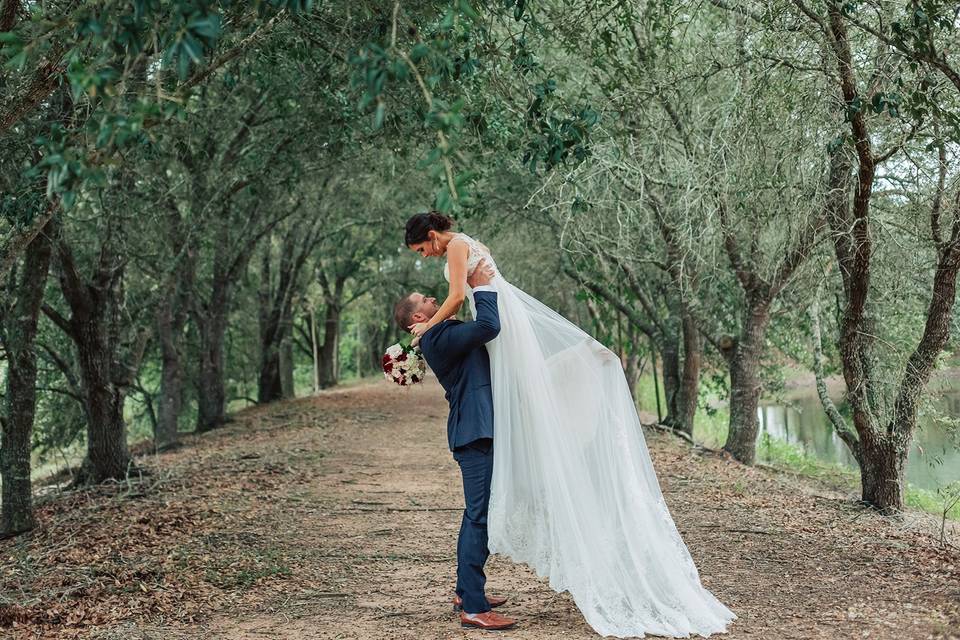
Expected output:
(420, 225)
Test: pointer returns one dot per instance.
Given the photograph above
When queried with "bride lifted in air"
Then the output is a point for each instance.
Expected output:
(573, 491)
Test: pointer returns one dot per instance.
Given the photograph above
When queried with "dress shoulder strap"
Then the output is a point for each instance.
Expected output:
(475, 244)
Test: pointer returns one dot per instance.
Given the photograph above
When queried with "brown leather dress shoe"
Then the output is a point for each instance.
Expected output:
(493, 601)
(489, 620)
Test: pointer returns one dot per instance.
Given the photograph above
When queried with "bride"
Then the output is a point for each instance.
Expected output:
(574, 493)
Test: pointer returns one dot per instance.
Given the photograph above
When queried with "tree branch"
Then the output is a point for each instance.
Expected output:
(229, 55)
(64, 366)
(19, 243)
(613, 301)
(45, 79)
(848, 435)
(938, 62)
(8, 14)
(57, 319)
(730, 245)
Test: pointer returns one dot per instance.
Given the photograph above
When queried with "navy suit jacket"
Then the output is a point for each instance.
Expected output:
(455, 351)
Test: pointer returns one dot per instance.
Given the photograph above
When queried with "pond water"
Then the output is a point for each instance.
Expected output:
(934, 460)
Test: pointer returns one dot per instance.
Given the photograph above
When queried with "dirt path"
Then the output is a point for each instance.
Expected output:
(336, 516)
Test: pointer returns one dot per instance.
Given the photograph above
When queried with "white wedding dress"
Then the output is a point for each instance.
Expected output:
(574, 494)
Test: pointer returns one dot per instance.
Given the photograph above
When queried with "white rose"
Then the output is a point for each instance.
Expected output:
(394, 350)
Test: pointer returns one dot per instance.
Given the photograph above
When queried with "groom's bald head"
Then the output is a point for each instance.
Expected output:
(413, 308)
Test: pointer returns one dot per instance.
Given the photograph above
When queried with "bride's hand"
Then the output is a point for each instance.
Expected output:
(418, 329)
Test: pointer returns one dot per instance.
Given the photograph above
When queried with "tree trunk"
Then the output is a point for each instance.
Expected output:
(745, 387)
(670, 356)
(690, 381)
(171, 322)
(632, 372)
(276, 316)
(107, 453)
(328, 351)
(171, 381)
(336, 354)
(212, 395)
(16, 426)
(882, 474)
(93, 305)
(276, 365)
(8, 17)
(315, 350)
(270, 385)
(286, 368)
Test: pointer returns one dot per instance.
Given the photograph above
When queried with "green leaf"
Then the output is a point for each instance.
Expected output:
(463, 179)
(183, 65)
(419, 51)
(468, 10)
(206, 27)
(104, 136)
(18, 61)
(442, 202)
(432, 157)
(835, 144)
(447, 23)
(518, 9)
(378, 116)
(192, 48)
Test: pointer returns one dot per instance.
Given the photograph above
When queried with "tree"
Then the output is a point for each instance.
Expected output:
(109, 343)
(885, 416)
(19, 317)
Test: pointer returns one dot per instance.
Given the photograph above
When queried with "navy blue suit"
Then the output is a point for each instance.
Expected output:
(455, 351)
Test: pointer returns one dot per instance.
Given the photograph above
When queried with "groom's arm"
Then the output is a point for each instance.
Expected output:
(461, 338)
(486, 326)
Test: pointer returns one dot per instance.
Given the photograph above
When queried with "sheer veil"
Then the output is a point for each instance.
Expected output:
(574, 493)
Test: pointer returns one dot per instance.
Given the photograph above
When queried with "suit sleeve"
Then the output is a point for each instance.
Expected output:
(464, 337)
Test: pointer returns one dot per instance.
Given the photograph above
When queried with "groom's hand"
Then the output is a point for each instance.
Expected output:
(481, 275)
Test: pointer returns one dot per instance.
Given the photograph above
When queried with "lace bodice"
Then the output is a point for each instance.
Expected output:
(477, 253)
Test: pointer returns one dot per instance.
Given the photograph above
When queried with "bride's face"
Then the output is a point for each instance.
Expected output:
(431, 247)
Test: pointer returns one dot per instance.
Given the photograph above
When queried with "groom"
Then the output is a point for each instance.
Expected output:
(455, 351)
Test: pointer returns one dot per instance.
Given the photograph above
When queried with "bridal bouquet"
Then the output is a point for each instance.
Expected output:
(404, 365)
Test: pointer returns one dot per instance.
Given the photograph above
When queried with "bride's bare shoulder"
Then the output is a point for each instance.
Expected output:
(469, 241)
(458, 249)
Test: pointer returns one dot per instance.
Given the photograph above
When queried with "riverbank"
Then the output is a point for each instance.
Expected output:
(335, 516)
(711, 425)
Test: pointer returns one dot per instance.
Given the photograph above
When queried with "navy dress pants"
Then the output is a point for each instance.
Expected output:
(476, 467)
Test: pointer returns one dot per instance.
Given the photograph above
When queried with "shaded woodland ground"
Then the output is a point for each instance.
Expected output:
(336, 515)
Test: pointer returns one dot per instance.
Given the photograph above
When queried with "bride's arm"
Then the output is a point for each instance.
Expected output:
(457, 253)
